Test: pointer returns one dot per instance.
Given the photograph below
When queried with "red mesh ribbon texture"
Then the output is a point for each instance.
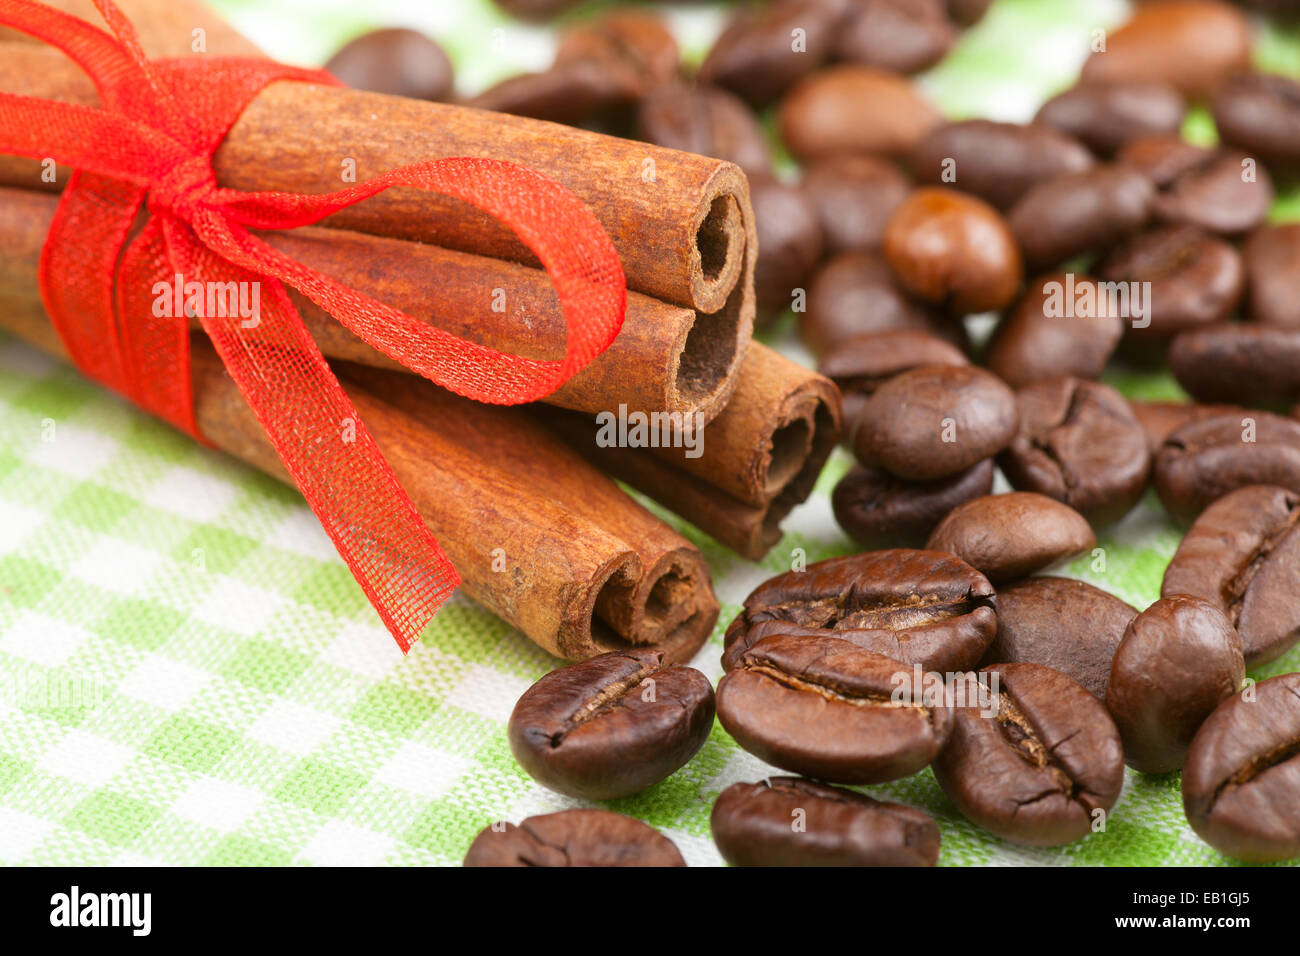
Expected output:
(151, 146)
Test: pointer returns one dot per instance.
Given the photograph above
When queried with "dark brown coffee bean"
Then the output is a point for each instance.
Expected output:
(789, 243)
(953, 249)
(900, 35)
(857, 294)
(1241, 781)
(1246, 364)
(1162, 419)
(1008, 536)
(1243, 556)
(967, 12)
(1227, 193)
(1079, 443)
(1035, 761)
(1063, 325)
(1203, 461)
(573, 838)
(1195, 279)
(918, 607)
(636, 48)
(1180, 658)
(786, 821)
(826, 708)
(859, 366)
(935, 421)
(1259, 113)
(881, 511)
(1105, 116)
(1272, 259)
(396, 62)
(1061, 623)
(568, 93)
(707, 121)
(998, 162)
(1163, 157)
(854, 109)
(854, 196)
(1069, 215)
(1190, 44)
(755, 57)
(612, 725)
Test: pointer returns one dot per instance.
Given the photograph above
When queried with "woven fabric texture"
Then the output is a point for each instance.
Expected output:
(188, 675)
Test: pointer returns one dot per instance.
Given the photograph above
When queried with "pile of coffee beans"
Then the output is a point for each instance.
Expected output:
(1096, 236)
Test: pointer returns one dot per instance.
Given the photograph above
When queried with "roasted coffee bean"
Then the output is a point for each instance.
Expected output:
(918, 607)
(998, 162)
(754, 56)
(1079, 443)
(935, 421)
(900, 35)
(396, 62)
(857, 294)
(1008, 536)
(1195, 279)
(569, 93)
(859, 366)
(789, 243)
(1260, 114)
(633, 46)
(1162, 419)
(707, 121)
(1061, 623)
(1243, 556)
(753, 825)
(612, 725)
(1180, 658)
(826, 708)
(854, 196)
(1241, 781)
(1069, 215)
(1190, 44)
(1105, 116)
(1242, 363)
(573, 838)
(1203, 461)
(1272, 259)
(854, 109)
(1033, 758)
(967, 12)
(954, 250)
(1063, 325)
(1226, 193)
(881, 511)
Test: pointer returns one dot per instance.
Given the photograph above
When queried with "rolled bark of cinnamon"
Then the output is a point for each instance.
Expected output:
(540, 537)
(665, 358)
(167, 28)
(683, 224)
(769, 443)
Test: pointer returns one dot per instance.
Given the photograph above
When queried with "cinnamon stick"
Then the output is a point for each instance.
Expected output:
(769, 443)
(539, 536)
(683, 224)
(666, 358)
(166, 27)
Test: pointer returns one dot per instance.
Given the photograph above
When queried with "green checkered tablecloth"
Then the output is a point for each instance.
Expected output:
(188, 675)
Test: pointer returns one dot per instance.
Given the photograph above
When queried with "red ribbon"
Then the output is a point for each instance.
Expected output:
(151, 145)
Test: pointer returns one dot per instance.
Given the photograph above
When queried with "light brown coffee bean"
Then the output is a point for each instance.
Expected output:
(1008, 536)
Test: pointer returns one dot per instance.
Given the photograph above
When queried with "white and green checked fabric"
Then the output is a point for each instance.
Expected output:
(189, 676)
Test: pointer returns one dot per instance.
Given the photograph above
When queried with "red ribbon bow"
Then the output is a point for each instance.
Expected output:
(152, 144)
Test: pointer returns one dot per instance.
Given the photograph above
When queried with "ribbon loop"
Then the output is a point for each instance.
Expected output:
(123, 308)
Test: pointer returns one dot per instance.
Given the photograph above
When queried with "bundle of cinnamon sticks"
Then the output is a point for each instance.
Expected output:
(520, 499)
